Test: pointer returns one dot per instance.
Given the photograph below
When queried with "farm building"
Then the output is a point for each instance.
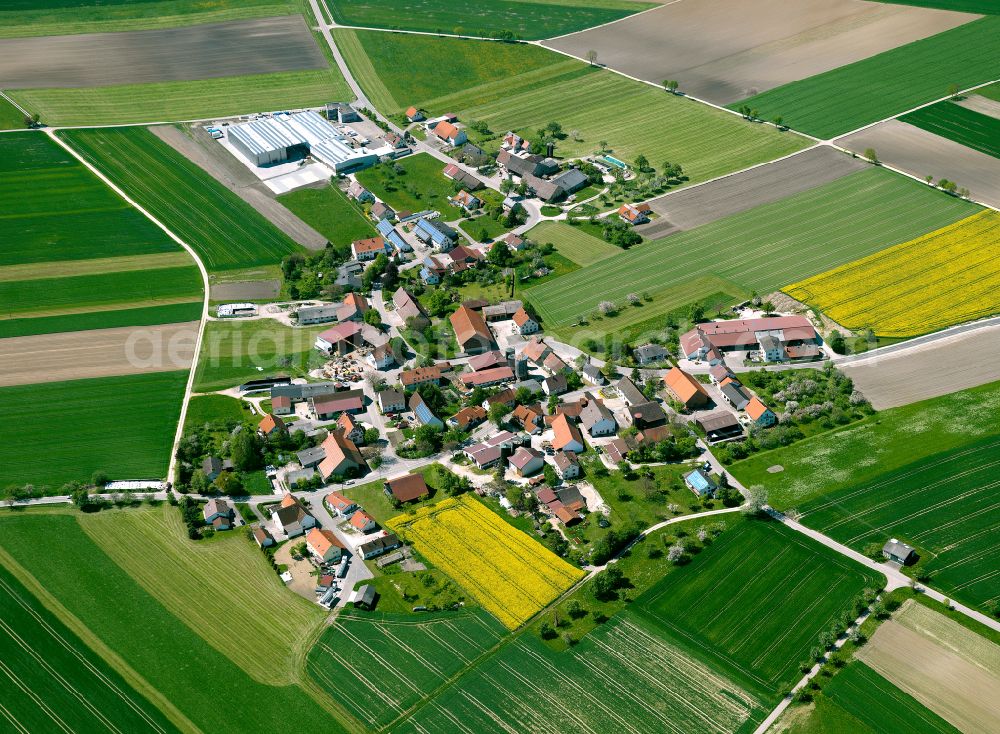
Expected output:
(597, 419)
(471, 331)
(330, 406)
(317, 314)
(391, 401)
(378, 546)
(340, 339)
(262, 537)
(719, 425)
(686, 389)
(285, 137)
(438, 234)
(566, 436)
(456, 173)
(490, 452)
(421, 376)
(392, 237)
(898, 552)
(341, 456)
(341, 112)
(407, 488)
(526, 461)
(236, 310)
(523, 323)
(707, 341)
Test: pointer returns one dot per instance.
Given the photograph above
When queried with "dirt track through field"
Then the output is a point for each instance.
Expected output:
(922, 153)
(908, 376)
(198, 147)
(940, 666)
(725, 50)
(689, 208)
(99, 353)
(983, 105)
(176, 54)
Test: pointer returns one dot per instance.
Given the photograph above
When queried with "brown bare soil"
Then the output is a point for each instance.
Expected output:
(249, 290)
(983, 105)
(176, 54)
(98, 353)
(922, 154)
(951, 670)
(909, 375)
(195, 144)
(693, 207)
(725, 50)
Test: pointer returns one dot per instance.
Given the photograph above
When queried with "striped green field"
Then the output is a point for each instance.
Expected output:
(225, 231)
(530, 19)
(968, 127)
(572, 242)
(887, 84)
(121, 425)
(187, 100)
(175, 313)
(763, 248)
(11, 118)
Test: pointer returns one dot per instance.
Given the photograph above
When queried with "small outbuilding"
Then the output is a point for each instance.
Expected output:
(899, 552)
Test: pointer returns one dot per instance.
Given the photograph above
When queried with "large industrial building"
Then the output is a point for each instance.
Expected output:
(283, 137)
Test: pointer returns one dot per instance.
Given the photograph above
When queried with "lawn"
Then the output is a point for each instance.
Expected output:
(174, 313)
(763, 248)
(204, 409)
(844, 99)
(458, 534)
(908, 290)
(330, 213)
(164, 655)
(203, 583)
(11, 118)
(968, 127)
(39, 181)
(121, 425)
(418, 186)
(624, 677)
(226, 232)
(525, 19)
(755, 602)
(233, 352)
(944, 505)
(484, 228)
(862, 452)
(372, 497)
(382, 664)
(52, 679)
(184, 100)
(57, 17)
(572, 242)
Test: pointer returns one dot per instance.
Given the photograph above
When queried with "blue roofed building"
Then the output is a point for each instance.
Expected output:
(436, 233)
(392, 237)
(700, 483)
(423, 413)
(429, 276)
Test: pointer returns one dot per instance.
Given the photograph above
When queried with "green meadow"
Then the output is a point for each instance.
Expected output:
(331, 213)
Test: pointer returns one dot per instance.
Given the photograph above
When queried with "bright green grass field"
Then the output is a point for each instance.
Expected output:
(382, 664)
(57, 17)
(852, 96)
(863, 451)
(211, 408)
(944, 505)
(422, 185)
(992, 91)
(173, 313)
(572, 242)
(968, 127)
(331, 213)
(624, 676)
(225, 231)
(866, 703)
(11, 118)
(49, 679)
(231, 352)
(52, 208)
(121, 425)
(186, 100)
(526, 19)
(757, 601)
(765, 247)
(183, 670)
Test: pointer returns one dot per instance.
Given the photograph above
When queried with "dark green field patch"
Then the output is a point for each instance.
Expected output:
(968, 127)
(982, 7)
(226, 232)
(174, 313)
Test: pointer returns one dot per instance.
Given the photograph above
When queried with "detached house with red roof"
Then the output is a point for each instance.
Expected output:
(368, 249)
(363, 522)
(450, 133)
(634, 213)
(414, 114)
(760, 413)
(340, 505)
(324, 545)
(524, 324)
(466, 200)
(271, 425)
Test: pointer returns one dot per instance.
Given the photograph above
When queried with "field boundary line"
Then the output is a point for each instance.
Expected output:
(15, 104)
(540, 41)
(205, 285)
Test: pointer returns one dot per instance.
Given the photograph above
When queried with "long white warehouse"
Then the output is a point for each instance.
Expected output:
(282, 137)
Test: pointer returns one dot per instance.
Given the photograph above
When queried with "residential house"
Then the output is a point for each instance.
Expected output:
(381, 211)
(700, 483)
(631, 394)
(262, 537)
(524, 324)
(686, 389)
(340, 506)
(898, 552)
(526, 461)
(435, 233)
(409, 309)
(555, 365)
(564, 503)
(430, 277)
(422, 412)
(592, 374)
(459, 174)
(567, 465)
(377, 546)
(391, 401)
(555, 384)
(514, 242)
(450, 133)
(292, 517)
(616, 450)
(271, 425)
(363, 522)
(219, 514)
(359, 193)
(414, 114)
(394, 240)
(462, 258)
(536, 350)
(329, 407)
(566, 436)
(281, 405)
(473, 155)
(324, 545)
(213, 466)
(467, 201)
(490, 452)
(513, 141)
(407, 488)
(651, 354)
(395, 141)
(634, 213)
(718, 373)
(341, 339)
(647, 415)
(351, 428)
(342, 457)
(760, 413)
(468, 418)
(353, 308)
(597, 419)
(421, 376)
(505, 397)
(719, 425)
(530, 418)
(310, 458)
(471, 331)
(368, 249)
(381, 357)
(545, 189)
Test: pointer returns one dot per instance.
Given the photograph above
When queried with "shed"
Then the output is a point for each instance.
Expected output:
(898, 552)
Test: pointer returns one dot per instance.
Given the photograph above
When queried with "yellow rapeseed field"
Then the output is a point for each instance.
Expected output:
(943, 278)
(510, 574)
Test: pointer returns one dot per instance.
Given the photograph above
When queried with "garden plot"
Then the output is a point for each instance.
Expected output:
(724, 50)
(921, 153)
(382, 665)
(950, 669)
(946, 505)
(177, 54)
(698, 205)
(622, 677)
